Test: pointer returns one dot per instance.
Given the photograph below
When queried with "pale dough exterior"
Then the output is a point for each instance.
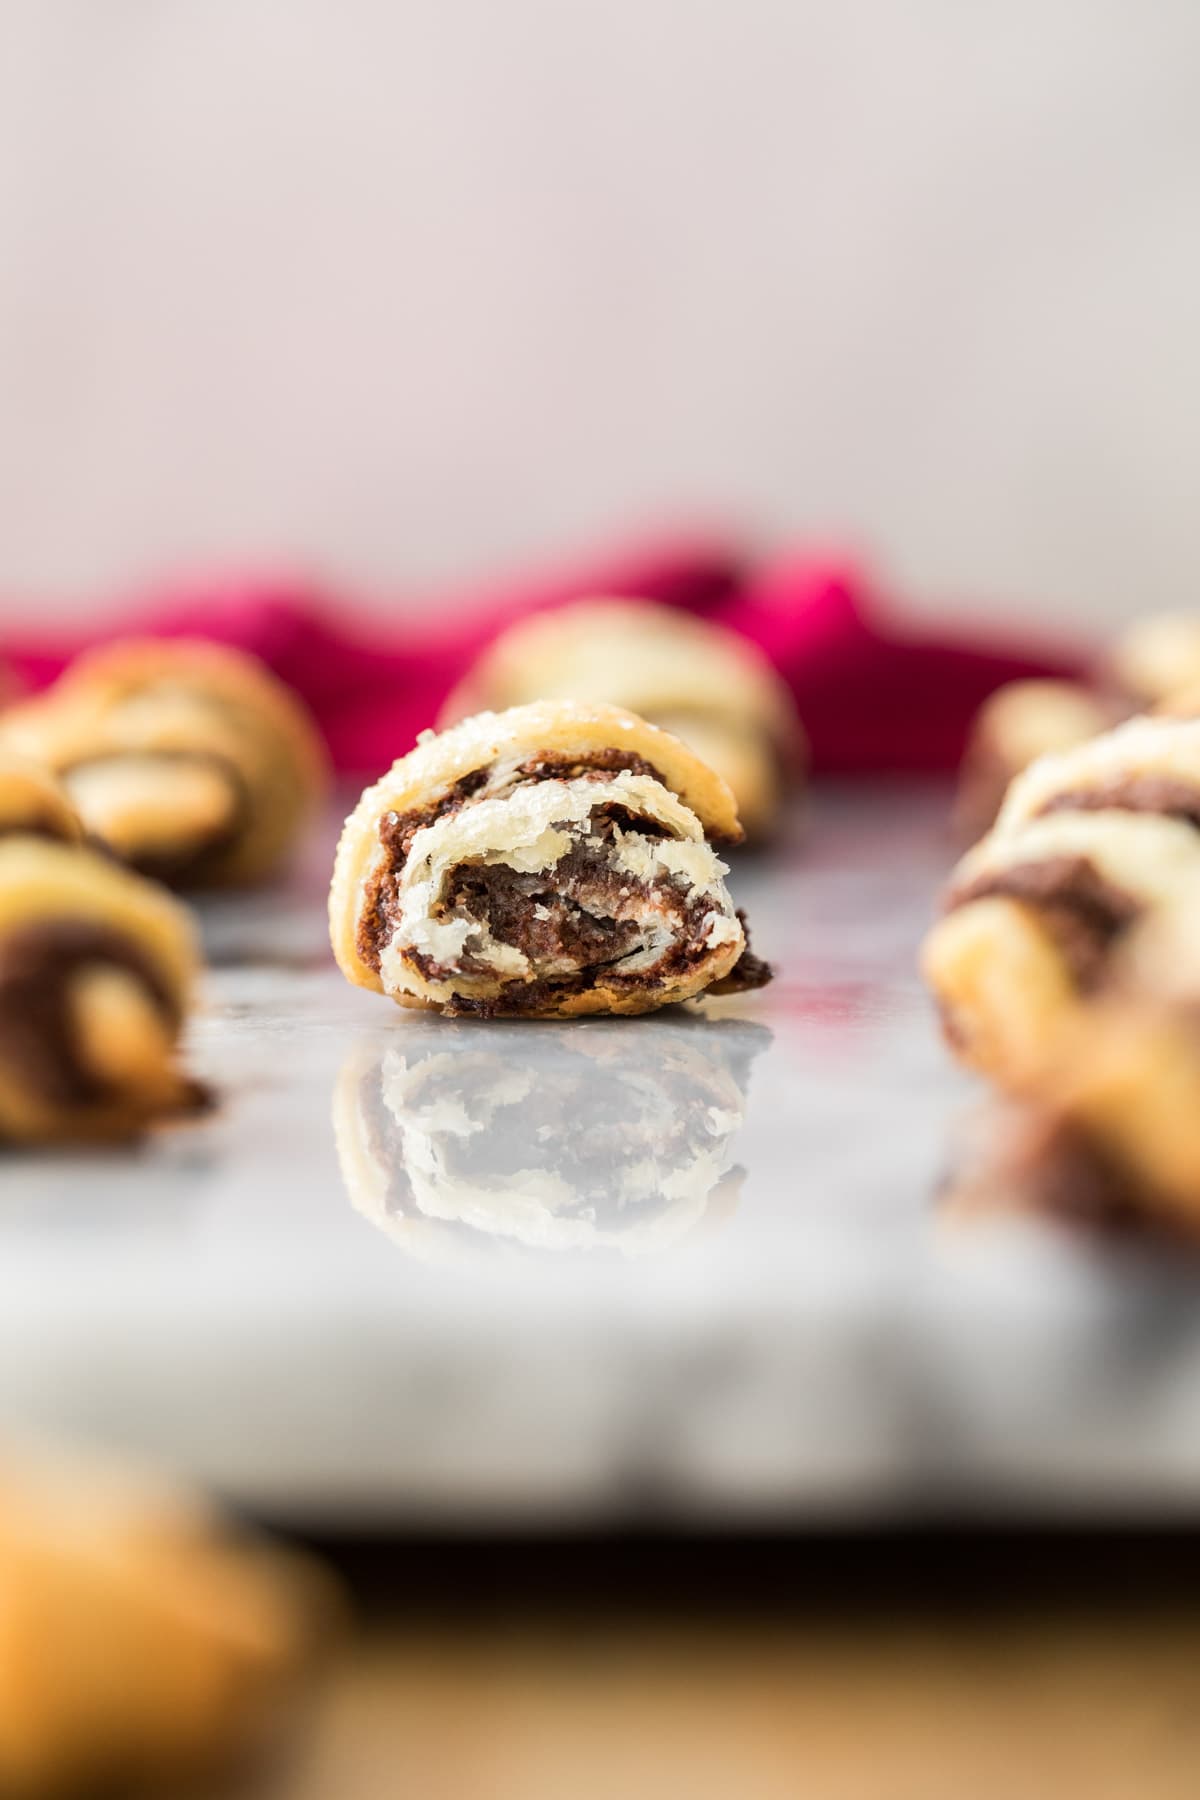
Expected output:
(1163, 748)
(1156, 658)
(697, 679)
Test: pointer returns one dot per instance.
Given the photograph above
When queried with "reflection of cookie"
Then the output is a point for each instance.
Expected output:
(188, 759)
(96, 970)
(1019, 723)
(609, 1137)
(139, 1639)
(708, 685)
(33, 804)
(547, 861)
(1087, 843)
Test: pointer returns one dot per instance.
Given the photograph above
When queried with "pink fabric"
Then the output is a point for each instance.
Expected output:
(873, 697)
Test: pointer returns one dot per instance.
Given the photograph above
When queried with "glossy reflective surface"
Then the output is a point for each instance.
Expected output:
(686, 1266)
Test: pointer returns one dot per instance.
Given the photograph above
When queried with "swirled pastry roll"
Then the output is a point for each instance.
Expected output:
(34, 804)
(706, 684)
(141, 1641)
(96, 971)
(599, 1138)
(547, 861)
(1109, 1134)
(1019, 723)
(1087, 843)
(189, 760)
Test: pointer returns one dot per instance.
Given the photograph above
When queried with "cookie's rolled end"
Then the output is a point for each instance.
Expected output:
(1033, 918)
(551, 860)
(1089, 843)
(34, 804)
(189, 760)
(96, 972)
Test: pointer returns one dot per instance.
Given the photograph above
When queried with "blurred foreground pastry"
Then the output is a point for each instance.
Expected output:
(189, 760)
(1110, 1130)
(548, 861)
(1020, 722)
(96, 972)
(600, 1138)
(141, 1641)
(1088, 843)
(706, 684)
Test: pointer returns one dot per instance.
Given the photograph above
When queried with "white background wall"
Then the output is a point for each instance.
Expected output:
(412, 288)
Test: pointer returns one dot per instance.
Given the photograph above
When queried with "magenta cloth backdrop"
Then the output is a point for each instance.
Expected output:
(874, 697)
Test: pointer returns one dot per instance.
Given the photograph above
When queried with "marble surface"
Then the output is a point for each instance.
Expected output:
(692, 1267)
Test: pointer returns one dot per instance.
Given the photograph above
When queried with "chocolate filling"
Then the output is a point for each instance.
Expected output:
(612, 761)
(36, 1035)
(1084, 913)
(748, 972)
(1164, 794)
(43, 827)
(381, 905)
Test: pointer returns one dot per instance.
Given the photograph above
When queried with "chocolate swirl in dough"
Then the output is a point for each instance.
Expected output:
(96, 969)
(1087, 843)
(548, 861)
(1018, 723)
(706, 684)
(1109, 1132)
(189, 760)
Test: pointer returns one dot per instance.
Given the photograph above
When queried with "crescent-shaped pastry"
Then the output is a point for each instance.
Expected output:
(189, 760)
(547, 861)
(708, 685)
(34, 804)
(1019, 723)
(595, 1138)
(141, 1640)
(1088, 843)
(96, 971)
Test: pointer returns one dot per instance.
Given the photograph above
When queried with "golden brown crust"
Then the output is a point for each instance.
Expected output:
(33, 803)
(188, 757)
(706, 684)
(510, 795)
